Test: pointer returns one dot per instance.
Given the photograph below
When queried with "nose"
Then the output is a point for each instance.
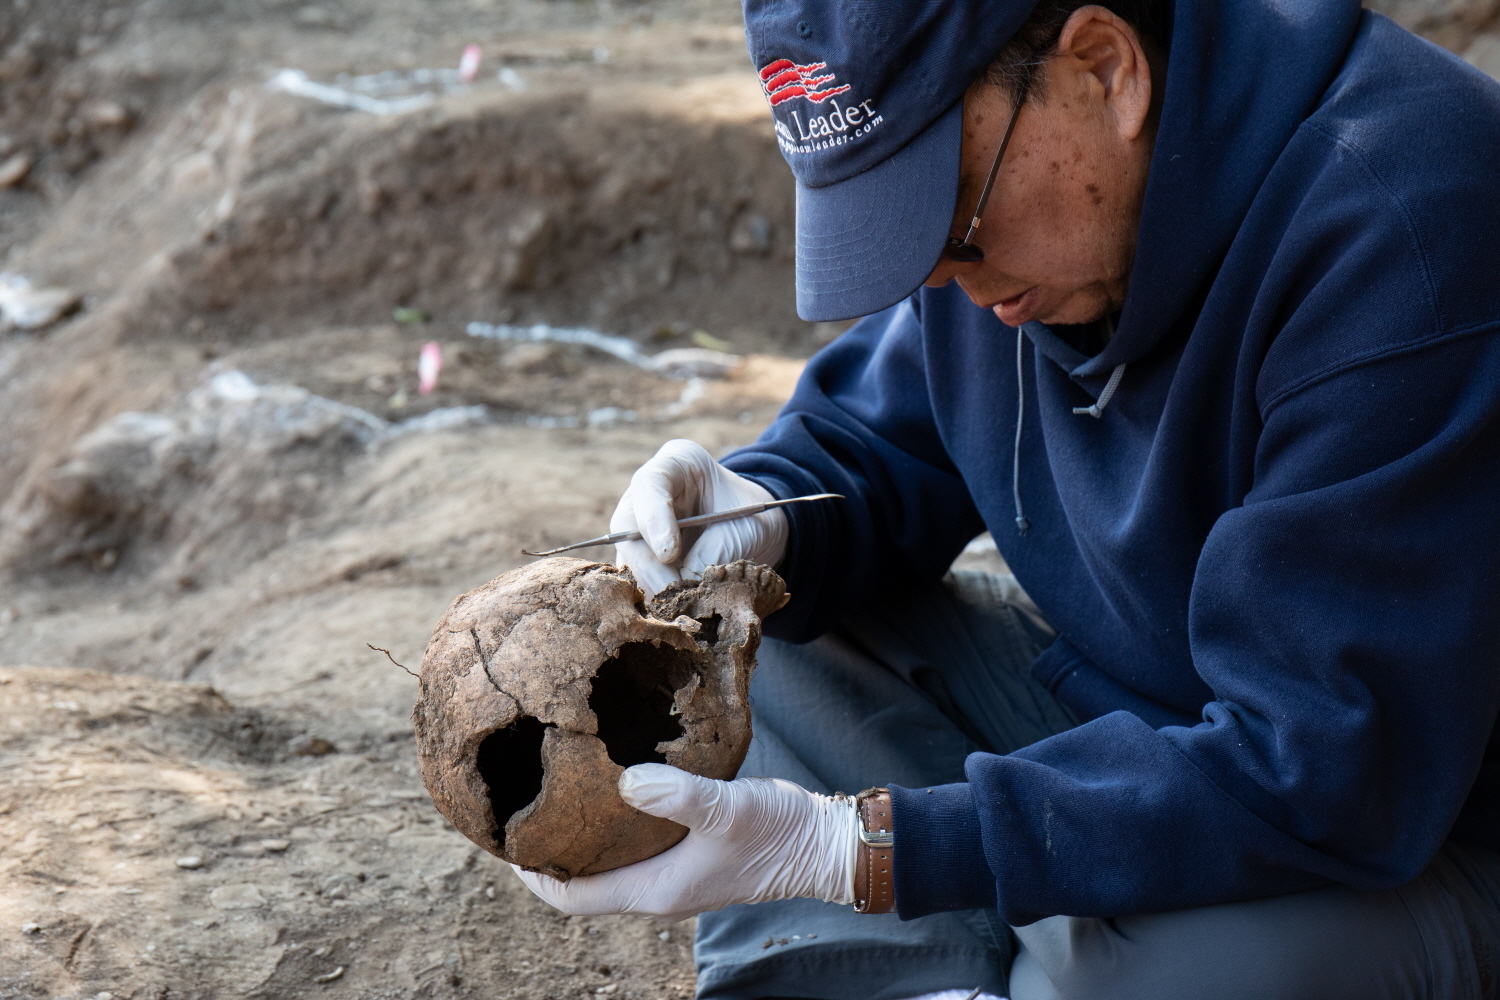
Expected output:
(945, 272)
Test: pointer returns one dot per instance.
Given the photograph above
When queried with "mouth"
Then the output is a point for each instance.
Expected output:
(1017, 309)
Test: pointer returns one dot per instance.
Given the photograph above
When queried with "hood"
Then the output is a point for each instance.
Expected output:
(1242, 77)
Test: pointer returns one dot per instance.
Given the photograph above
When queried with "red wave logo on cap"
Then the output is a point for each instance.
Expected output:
(783, 80)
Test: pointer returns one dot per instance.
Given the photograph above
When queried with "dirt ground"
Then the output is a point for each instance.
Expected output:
(219, 481)
(217, 484)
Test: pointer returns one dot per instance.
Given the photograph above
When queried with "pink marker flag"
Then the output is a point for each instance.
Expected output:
(468, 66)
(429, 363)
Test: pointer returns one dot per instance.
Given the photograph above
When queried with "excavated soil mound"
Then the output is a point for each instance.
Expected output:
(611, 171)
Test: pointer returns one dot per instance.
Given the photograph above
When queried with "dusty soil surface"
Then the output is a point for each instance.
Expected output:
(183, 741)
(161, 843)
(219, 481)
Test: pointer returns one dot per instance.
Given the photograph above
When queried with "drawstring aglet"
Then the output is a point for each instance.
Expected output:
(1097, 410)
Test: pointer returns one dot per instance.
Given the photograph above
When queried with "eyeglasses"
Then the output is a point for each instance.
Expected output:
(963, 250)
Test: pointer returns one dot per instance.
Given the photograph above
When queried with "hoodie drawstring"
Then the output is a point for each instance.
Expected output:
(1015, 466)
(1023, 523)
(1097, 410)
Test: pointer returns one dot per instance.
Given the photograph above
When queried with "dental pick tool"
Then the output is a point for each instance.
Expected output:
(697, 521)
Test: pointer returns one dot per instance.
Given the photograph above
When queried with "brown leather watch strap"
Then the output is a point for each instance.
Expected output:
(874, 888)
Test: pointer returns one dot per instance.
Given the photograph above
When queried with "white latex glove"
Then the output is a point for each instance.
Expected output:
(749, 840)
(681, 480)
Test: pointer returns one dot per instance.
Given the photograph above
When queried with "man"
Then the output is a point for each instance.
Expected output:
(1217, 361)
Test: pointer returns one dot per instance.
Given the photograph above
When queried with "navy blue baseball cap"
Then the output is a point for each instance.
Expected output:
(867, 97)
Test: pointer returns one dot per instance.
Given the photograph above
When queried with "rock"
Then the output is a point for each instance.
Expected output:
(239, 896)
(107, 114)
(338, 886)
(542, 686)
(218, 479)
(191, 862)
(33, 308)
(14, 170)
(275, 846)
(308, 745)
(31, 928)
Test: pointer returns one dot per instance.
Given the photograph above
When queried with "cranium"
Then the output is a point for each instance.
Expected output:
(542, 686)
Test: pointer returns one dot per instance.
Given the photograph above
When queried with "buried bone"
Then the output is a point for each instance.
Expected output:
(542, 686)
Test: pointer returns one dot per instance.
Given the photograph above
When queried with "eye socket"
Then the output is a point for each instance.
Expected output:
(804, 29)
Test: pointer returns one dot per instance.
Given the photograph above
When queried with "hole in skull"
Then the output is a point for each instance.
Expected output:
(632, 699)
(708, 631)
(510, 762)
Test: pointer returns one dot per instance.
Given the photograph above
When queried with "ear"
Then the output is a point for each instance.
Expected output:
(1102, 53)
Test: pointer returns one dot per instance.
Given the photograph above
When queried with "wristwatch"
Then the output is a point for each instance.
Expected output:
(874, 890)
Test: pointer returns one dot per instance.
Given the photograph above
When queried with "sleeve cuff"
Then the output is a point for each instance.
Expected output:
(939, 854)
(812, 529)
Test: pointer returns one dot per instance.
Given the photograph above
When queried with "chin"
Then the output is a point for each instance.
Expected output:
(1077, 309)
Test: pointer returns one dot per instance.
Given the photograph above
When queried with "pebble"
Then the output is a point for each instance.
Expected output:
(191, 862)
(240, 896)
(30, 928)
(607, 989)
(33, 308)
(109, 114)
(14, 170)
(308, 745)
(338, 886)
(664, 935)
(275, 845)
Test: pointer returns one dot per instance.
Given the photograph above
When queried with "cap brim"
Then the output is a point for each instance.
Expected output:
(868, 242)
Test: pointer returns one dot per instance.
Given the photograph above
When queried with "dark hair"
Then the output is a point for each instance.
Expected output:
(1020, 62)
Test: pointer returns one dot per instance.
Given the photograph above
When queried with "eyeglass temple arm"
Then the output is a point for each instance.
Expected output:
(989, 182)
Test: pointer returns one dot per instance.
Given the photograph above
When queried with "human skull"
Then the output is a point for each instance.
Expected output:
(539, 688)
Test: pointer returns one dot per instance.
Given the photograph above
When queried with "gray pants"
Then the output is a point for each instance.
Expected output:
(902, 694)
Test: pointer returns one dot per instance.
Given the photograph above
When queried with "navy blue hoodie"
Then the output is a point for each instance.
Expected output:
(1274, 560)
